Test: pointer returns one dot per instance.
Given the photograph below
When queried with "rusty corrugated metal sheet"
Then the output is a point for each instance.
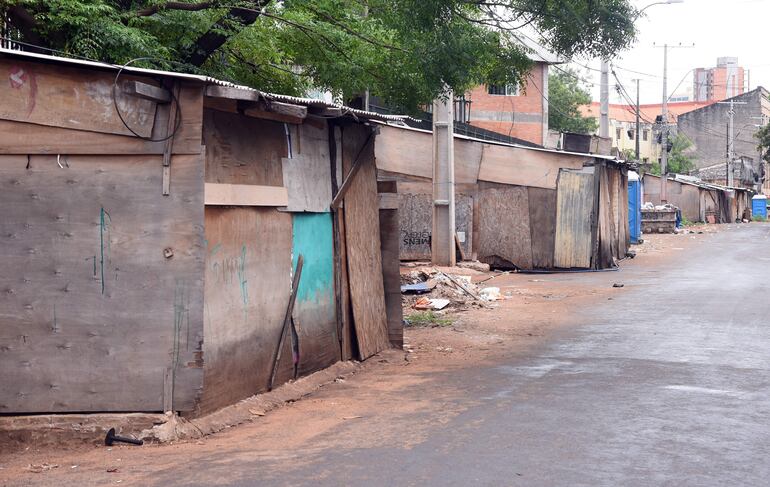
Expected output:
(574, 208)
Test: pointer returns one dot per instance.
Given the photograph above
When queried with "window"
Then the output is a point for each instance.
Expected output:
(631, 134)
(645, 135)
(645, 159)
(618, 133)
(503, 90)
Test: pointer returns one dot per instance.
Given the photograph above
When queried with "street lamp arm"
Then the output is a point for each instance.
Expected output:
(667, 2)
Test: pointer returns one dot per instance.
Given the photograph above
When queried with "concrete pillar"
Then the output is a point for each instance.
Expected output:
(443, 235)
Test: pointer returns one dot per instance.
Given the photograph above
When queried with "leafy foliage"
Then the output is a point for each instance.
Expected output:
(565, 96)
(404, 51)
(763, 136)
(679, 160)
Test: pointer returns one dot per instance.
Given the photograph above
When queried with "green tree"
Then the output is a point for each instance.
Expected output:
(402, 50)
(566, 94)
(679, 160)
(763, 136)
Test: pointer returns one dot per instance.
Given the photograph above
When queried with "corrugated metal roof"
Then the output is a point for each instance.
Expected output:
(310, 102)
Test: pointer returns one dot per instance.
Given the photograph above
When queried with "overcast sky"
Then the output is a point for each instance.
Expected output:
(736, 28)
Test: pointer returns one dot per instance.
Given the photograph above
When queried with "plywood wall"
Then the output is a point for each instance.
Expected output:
(504, 226)
(247, 283)
(362, 237)
(101, 308)
(416, 229)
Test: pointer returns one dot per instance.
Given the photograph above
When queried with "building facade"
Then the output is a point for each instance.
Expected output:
(520, 112)
(623, 125)
(726, 80)
(706, 128)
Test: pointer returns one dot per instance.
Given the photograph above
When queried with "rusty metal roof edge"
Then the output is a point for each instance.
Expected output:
(348, 111)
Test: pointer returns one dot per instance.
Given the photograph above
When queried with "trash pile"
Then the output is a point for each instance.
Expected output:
(428, 288)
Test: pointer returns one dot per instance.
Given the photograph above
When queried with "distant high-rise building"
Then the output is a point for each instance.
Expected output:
(724, 81)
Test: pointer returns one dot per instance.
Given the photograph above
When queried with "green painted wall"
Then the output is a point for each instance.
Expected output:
(315, 310)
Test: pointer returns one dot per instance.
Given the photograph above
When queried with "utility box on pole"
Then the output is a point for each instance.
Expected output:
(443, 238)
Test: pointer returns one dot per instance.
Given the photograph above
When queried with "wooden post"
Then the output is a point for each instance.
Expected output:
(443, 238)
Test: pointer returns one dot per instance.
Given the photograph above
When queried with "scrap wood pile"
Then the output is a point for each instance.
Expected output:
(429, 288)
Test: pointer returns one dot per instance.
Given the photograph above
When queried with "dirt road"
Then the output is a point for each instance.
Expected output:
(570, 382)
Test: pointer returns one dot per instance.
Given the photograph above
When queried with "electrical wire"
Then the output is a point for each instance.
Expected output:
(178, 111)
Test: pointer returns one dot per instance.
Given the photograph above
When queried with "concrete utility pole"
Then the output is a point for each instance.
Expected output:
(638, 123)
(730, 138)
(442, 245)
(664, 136)
(604, 98)
(664, 121)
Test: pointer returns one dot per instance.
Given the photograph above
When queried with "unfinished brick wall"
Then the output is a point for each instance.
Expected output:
(521, 116)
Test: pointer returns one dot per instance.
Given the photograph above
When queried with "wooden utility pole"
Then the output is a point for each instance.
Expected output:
(443, 239)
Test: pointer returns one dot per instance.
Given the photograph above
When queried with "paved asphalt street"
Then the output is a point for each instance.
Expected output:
(667, 384)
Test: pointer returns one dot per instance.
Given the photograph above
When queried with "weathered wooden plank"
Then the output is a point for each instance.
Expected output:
(232, 93)
(106, 285)
(247, 282)
(348, 343)
(72, 98)
(245, 195)
(146, 92)
(363, 246)
(33, 138)
(236, 155)
(605, 230)
(574, 207)
(307, 175)
(542, 225)
(504, 227)
(389, 237)
(525, 167)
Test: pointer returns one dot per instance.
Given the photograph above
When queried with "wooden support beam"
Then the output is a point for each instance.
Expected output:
(146, 92)
(288, 109)
(327, 111)
(245, 195)
(218, 91)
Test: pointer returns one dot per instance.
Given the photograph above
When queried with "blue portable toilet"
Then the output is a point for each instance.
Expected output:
(634, 206)
(759, 206)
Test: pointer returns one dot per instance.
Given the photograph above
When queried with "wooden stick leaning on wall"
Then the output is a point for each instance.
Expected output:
(286, 320)
(352, 174)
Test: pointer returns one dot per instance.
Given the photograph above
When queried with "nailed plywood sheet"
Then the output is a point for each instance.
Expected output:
(307, 175)
(524, 167)
(243, 150)
(542, 218)
(574, 208)
(315, 312)
(248, 282)
(411, 152)
(362, 235)
(415, 213)
(71, 98)
(245, 195)
(606, 231)
(389, 238)
(504, 227)
(103, 284)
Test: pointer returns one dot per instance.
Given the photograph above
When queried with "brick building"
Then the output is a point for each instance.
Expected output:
(520, 112)
(726, 80)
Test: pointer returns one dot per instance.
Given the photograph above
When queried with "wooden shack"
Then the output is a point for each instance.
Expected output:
(700, 201)
(151, 226)
(517, 207)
